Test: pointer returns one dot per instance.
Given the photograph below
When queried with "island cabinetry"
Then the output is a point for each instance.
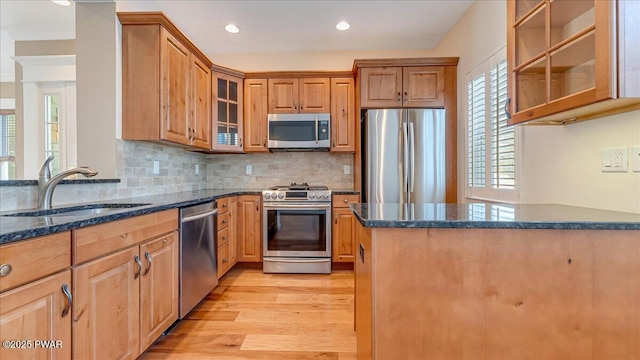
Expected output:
(393, 87)
(343, 229)
(498, 293)
(249, 228)
(166, 87)
(227, 110)
(255, 115)
(343, 115)
(127, 293)
(562, 66)
(35, 298)
(299, 95)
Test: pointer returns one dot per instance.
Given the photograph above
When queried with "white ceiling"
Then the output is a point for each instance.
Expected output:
(265, 26)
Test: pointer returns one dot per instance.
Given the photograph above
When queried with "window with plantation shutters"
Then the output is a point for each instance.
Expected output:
(491, 144)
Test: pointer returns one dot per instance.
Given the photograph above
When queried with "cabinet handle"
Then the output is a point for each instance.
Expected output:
(334, 142)
(264, 144)
(406, 98)
(224, 221)
(224, 260)
(148, 256)
(295, 105)
(224, 238)
(5, 270)
(67, 293)
(301, 105)
(362, 253)
(224, 206)
(335, 219)
(399, 98)
(257, 206)
(139, 262)
(240, 142)
(506, 108)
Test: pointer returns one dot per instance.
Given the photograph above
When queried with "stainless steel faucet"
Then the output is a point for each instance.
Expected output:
(46, 182)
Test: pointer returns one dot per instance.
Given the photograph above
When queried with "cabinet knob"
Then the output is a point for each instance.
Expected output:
(399, 98)
(224, 260)
(406, 97)
(346, 201)
(5, 270)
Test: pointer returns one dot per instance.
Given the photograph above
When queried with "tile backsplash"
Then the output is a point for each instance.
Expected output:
(135, 160)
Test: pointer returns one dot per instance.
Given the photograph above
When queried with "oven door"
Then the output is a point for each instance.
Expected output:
(296, 230)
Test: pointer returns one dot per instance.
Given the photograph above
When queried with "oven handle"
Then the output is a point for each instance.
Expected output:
(297, 206)
(297, 260)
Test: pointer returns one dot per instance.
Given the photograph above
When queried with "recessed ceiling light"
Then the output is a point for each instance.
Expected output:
(62, 2)
(232, 28)
(343, 25)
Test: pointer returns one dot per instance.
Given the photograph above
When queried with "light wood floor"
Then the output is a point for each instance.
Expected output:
(252, 315)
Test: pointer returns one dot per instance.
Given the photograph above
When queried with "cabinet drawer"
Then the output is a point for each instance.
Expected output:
(223, 221)
(94, 241)
(34, 259)
(223, 237)
(223, 259)
(223, 205)
(343, 201)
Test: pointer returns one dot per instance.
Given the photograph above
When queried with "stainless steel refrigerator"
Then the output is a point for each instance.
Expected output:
(404, 156)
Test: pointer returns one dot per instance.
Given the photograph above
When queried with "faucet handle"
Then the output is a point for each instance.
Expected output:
(45, 171)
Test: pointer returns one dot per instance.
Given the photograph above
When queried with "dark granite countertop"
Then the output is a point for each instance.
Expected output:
(14, 228)
(344, 192)
(63, 182)
(492, 216)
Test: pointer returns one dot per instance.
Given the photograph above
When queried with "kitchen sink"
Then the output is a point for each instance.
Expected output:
(82, 210)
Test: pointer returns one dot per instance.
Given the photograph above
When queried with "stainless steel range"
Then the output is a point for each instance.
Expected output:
(297, 229)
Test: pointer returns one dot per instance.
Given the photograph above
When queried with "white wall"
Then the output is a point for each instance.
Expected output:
(559, 164)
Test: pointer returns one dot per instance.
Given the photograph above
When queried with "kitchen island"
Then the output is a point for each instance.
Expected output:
(496, 281)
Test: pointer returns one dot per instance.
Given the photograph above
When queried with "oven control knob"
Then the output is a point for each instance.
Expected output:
(281, 196)
(274, 195)
(326, 196)
(266, 195)
(312, 195)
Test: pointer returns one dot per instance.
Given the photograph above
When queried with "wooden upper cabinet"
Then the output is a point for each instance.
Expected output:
(166, 83)
(227, 113)
(255, 115)
(201, 107)
(381, 87)
(561, 66)
(393, 87)
(299, 95)
(343, 117)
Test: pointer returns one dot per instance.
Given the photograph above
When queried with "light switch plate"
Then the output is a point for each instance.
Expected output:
(156, 167)
(248, 169)
(347, 169)
(614, 159)
(197, 169)
(635, 158)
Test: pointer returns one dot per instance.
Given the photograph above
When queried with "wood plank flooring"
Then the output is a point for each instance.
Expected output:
(252, 315)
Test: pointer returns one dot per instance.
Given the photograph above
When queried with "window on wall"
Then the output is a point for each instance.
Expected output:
(52, 131)
(491, 144)
(7, 145)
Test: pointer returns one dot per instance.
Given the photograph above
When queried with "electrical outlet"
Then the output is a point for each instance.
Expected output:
(614, 160)
(347, 169)
(635, 158)
(248, 169)
(156, 167)
(197, 169)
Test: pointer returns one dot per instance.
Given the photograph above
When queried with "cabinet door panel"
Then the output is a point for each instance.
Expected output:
(381, 87)
(249, 228)
(201, 98)
(34, 312)
(233, 230)
(343, 119)
(283, 96)
(174, 90)
(227, 109)
(315, 95)
(158, 288)
(343, 235)
(255, 111)
(423, 86)
(106, 307)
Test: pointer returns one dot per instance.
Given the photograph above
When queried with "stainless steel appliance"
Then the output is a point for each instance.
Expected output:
(405, 156)
(198, 261)
(298, 131)
(297, 229)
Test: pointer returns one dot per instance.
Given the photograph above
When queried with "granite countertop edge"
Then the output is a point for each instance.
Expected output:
(23, 228)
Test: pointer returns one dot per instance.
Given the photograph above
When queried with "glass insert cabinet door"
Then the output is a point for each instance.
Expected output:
(227, 112)
(559, 55)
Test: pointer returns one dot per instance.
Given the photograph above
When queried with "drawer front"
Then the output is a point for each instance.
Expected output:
(223, 237)
(343, 201)
(94, 241)
(223, 221)
(223, 205)
(223, 259)
(34, 259)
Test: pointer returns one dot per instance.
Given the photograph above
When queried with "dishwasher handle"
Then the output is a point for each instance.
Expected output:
(199, 216)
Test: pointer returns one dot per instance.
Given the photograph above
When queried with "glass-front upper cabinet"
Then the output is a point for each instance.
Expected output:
(227, 112)
(563, 56)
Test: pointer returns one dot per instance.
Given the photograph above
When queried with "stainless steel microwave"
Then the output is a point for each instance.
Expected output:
(298, 131)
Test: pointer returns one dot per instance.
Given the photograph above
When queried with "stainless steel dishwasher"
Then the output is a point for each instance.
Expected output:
(198, 261)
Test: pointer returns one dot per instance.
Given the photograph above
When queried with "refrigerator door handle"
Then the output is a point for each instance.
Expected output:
(405, 163)
(412, 154)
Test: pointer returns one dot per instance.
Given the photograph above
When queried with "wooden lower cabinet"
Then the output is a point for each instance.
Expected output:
(343, 229)
(35, 312)
(125, 300)
(249, 228)
(233, 230)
